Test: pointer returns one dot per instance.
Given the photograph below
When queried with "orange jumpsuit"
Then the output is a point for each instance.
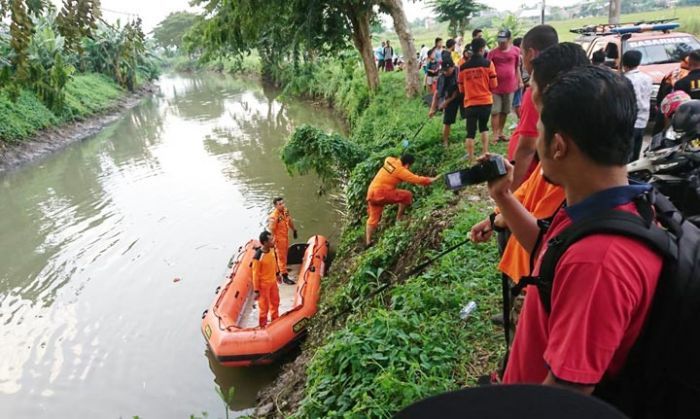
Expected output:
(382, 191)
(280, 229)
(265, 281)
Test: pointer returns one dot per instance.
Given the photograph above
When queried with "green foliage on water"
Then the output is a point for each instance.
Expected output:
(247, 65)
(375, 354)
(330, 156)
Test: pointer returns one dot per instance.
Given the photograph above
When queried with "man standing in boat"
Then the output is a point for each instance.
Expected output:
(279, 224)
(382, 191)
(265, 275)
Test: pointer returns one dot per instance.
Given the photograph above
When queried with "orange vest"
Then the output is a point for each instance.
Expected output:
(392, 173)
(280, 224)
(264, 268)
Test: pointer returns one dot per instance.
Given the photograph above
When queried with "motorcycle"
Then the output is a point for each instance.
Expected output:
(672, 161)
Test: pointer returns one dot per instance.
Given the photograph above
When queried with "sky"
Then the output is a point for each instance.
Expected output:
(153, 11)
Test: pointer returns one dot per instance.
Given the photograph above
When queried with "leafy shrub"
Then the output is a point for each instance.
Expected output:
(407, 342)
(330, 156)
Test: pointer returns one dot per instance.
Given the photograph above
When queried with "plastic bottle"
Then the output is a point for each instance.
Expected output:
(467, 310)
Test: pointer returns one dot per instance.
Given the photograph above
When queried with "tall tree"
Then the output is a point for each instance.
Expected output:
(395, 9)
(614, 12)
(456, 12)
(359, 13)
(169, 32)
(279, 30)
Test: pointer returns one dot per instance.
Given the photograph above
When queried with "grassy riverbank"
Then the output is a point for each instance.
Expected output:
(85, 95)
(370, 356)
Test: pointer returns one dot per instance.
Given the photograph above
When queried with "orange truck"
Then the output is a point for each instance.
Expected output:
(662, 48)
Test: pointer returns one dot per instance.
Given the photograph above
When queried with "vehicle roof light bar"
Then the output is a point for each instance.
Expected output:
(662, 25)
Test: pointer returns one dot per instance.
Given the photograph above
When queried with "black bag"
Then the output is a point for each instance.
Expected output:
(661, 377)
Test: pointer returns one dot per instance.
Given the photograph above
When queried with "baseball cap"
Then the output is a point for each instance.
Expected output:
(503, 35)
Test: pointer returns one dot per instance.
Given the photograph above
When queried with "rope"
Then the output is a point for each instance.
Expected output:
(412, 272)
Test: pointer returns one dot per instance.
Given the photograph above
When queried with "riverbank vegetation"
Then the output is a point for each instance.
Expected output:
(58, 66)
(371, 353)
(385, 336)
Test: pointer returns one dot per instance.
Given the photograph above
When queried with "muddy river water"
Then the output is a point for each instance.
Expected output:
(111, 249)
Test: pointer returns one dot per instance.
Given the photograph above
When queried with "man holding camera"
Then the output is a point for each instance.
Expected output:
(382, 191)
(603, 284)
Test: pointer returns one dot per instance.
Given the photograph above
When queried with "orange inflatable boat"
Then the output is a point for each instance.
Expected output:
(230, 325)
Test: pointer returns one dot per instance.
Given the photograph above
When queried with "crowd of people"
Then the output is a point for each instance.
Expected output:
(579, 126)
(479, 83)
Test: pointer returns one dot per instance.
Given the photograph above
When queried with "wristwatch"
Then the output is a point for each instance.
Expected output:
(494, 227)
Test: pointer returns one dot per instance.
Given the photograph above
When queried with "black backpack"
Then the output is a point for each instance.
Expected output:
(661, 377)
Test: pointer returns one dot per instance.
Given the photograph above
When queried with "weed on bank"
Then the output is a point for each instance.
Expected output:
(375, 353)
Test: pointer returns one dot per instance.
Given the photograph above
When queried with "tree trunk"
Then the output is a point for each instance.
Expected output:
(395, 9)
(614, 17)
(359, 19)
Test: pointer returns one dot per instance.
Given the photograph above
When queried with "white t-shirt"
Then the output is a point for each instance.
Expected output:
(423, 54)
(642, 84)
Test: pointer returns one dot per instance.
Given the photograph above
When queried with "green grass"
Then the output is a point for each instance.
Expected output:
(86, 94)
(408, 342)
(21, 118)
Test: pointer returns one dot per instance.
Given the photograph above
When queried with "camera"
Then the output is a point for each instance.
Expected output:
(487, 170)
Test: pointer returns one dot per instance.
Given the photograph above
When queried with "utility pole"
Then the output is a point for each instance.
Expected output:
(542, 13)
(614, 16)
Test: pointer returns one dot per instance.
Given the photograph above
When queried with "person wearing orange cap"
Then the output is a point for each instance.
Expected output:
(265, 277)
(382, 191)
(279, 224)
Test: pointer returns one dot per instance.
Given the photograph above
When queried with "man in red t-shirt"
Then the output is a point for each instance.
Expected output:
(521, 147)
(603, 284)
(506, 60)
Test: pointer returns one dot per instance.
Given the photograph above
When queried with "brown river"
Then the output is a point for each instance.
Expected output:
(111, 249)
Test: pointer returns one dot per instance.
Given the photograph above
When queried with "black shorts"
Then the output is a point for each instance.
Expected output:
(449, 115)
(477, 115)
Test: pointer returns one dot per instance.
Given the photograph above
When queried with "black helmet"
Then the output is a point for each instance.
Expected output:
(686, 120)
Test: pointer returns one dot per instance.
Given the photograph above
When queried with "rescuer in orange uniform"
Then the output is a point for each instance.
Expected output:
(382, 191)
(265, 277)
(279, 224)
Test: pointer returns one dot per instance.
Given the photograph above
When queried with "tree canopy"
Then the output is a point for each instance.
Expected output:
(456, 12)
(169, 32)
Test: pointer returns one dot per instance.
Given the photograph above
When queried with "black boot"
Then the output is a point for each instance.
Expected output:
(287, 280)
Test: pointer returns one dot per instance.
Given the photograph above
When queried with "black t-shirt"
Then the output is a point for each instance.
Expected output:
(447, 85)
(690, 84)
